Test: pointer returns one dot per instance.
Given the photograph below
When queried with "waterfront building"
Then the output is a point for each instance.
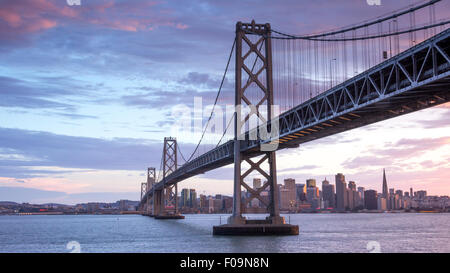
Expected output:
(288, 194)
(256, 183)
(184, 197)
(192, 199)
(361, 196)
(370, 199)
(300, 192)
(382, 203)
(203, 203)
(310, 183)
(341, 192)
(312, 193)
(328, 195)
(385, 193)
(421, 194)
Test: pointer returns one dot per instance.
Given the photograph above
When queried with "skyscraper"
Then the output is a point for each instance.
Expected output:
(184, 198)
(385, 193)
(288, 194)
(310, 183)
(341, 192)
(361, 194)
(256, 183)
(192, 198)
(329, 197)
(301, 192)
(352, 195)
(370, 199)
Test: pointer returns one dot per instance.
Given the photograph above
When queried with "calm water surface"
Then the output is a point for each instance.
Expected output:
(401, 232)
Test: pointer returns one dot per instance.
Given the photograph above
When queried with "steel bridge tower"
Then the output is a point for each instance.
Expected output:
(166, 199)
(261, 49)
(151, 179)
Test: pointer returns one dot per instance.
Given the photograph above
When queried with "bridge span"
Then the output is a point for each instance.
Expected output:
(414, 79)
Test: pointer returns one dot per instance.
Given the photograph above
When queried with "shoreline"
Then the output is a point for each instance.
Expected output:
(285, 213)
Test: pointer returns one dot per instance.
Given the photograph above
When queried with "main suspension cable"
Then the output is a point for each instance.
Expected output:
(215, 101)
(346, 29)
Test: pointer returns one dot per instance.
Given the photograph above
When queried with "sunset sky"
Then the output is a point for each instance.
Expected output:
(86, 94)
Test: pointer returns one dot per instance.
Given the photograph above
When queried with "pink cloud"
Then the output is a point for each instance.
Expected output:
(19, 18)
(29, 16)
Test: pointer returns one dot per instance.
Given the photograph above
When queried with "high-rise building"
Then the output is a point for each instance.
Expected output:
(421, 194)
(352, 185)
(256, 183)
(312, 193)
(203, 203)
(184, 198)
(352, 195)
(328, 195)
(310, 183)
(361, 195)
(370, 200)
(411, 192)
(385, 192)
(341, 192)
(288, 194)
(210, 204)
(382, 203)
(192, 198)
(289, 183)
(301, 192)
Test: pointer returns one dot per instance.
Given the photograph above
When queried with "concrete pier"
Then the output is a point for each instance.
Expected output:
(256, 229)
(169, 216)
(147, 214)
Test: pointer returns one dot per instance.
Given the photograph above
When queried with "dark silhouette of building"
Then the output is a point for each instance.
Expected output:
(385, 193)
(371, 199)
(341, 192)
(328, 194)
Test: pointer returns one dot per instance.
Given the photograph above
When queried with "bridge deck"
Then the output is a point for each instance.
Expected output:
(415, 79)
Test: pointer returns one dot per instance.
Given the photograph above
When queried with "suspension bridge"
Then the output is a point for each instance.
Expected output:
(323, 84)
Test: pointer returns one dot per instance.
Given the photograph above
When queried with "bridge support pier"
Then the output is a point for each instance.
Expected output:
(260, 47)
(168, 196)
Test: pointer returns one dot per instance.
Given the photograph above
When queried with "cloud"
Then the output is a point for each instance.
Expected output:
(441, 121)
(47, 149)
(26, 94)
(19, 18)
(395, 153)
(202, 80)
(165, 99)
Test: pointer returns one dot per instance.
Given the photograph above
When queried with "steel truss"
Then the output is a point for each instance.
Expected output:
(243, 35)
(169, 197)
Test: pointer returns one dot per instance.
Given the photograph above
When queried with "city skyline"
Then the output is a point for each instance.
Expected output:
(292, 197)
(83, 114)
(95, 197)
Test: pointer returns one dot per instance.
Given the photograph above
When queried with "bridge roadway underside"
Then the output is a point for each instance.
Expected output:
(416, 79)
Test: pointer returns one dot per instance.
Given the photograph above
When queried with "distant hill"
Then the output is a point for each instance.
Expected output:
(8, 203)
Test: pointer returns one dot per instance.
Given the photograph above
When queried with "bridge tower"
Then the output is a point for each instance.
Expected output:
(151, 179)
(144, 188)
(167, 198)
(261, 50)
